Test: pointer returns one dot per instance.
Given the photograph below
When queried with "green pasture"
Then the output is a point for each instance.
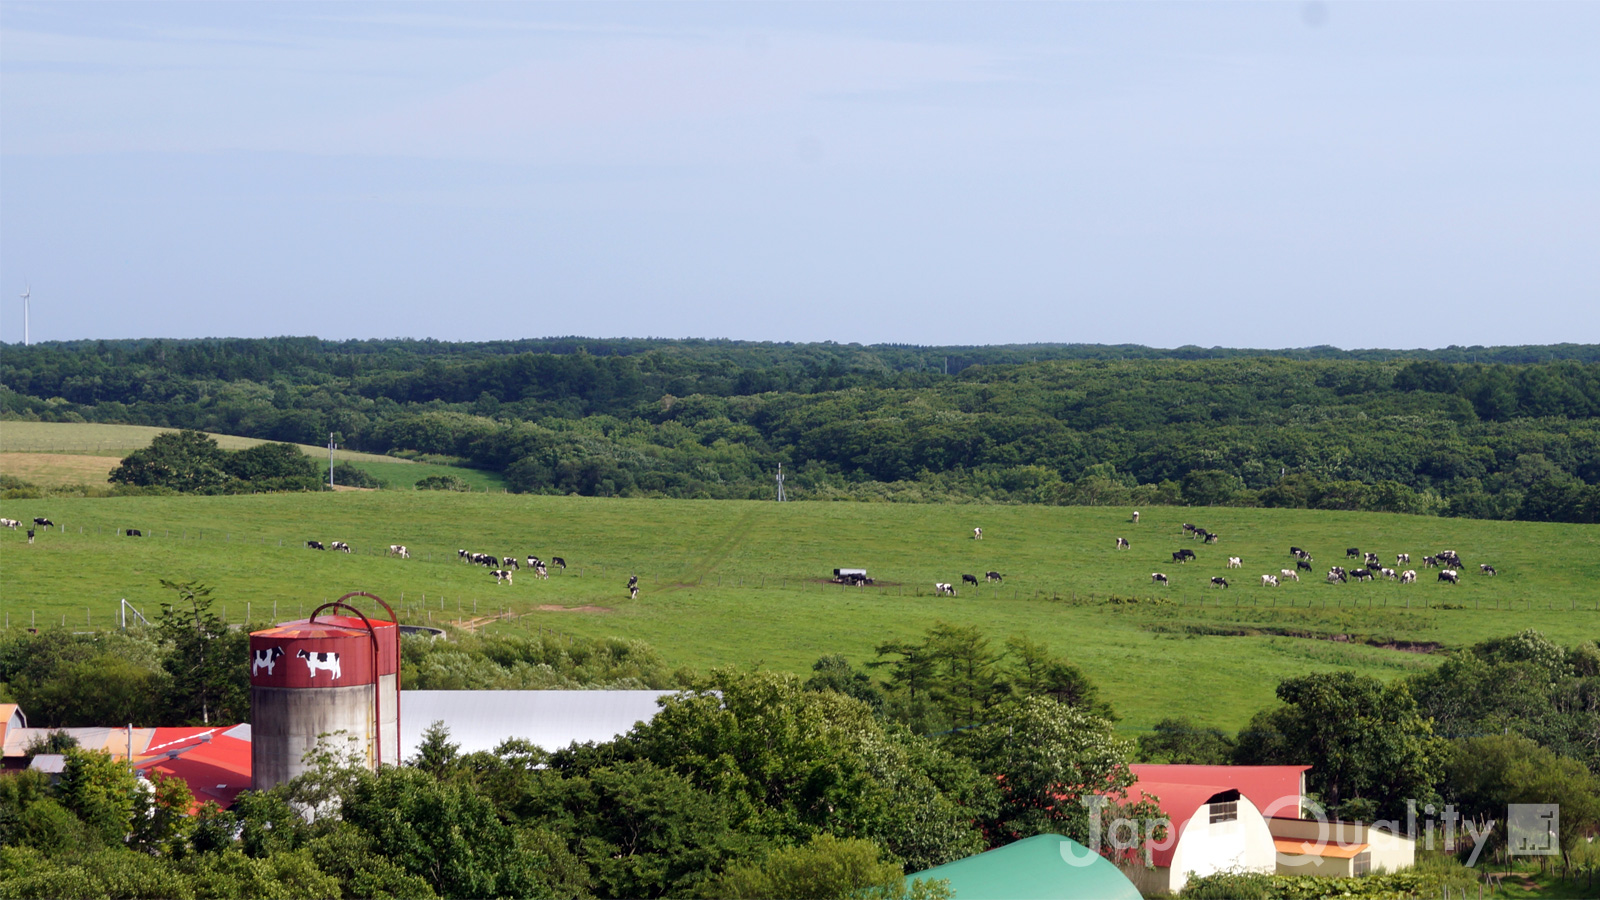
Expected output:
(727, 582)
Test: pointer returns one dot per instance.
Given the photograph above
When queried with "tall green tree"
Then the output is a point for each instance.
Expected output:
(1365, 741)
(207, 662)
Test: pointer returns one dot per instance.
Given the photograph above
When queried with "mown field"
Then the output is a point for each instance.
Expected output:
(726, 582)
(53, 454)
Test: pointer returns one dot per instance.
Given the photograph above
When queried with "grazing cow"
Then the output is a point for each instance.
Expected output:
(970, 579)
(511, 563)
(633, 580)
(265, 659)
(1268, 581)
(9, 523)
(1289, 573)
(633, 592)
(1136, 517)
(977, 534)
(993, 577)
(558, 562)
(1218, 581)
(1361, 574)
(534, 562)
(944, 589)
(1449, 558)
(1430, 562)
(1336, 577)
(30, 535)
(315, 661)
(462, 555)
(540, 571)
(1158, 578)
(1449, 575)
(1409, 576)
(399, 550)
(1485, 568)
(1188, 529)
(341, 545)
(1235, 562)
(1400, 558)
(1297, 553)
(1122, 543)
(1372, 560)
(1179, 557)
(43, 522)
(315, 545)
(1303, 564)
(1211, 538)
(132, 532)
(1203, 534)
(1352, 553)
(501, 575)
(1388, 573)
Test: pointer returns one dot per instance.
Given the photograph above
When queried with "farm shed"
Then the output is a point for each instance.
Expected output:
(1309, 847)
(1043, 867)
(551, 720)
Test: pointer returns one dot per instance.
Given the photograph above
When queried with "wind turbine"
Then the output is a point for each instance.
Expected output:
(27, 291)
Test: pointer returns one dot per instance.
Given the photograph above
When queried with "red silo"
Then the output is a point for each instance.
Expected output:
(329, 678)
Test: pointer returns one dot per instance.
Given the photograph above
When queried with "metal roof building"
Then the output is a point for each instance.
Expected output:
(1043, 867)
(551, 720)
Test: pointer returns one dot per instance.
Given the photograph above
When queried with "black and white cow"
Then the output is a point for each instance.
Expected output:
(1361, 574)
(501, 575)
(265, 659)
(944, 589)
(1372, 561)
(1158, 578)
(341, 546)
(977, 534)
(1352, 553)
(541, 571)
(511, 563)
(1430, 562)
(1122, 543)
(1485, 568)
(1289, 573)
(993, 577)
(633, 581)
(534, 562)
(1136, 517)
(399, 550)
(1235, 562)
(132, 532)
(1336, 576)
(1269, 581)
(1297, 553)
(1388, 573)
(315, 661)
(1402, 558)
(1409, 576)
(1449, 575)
(43, 522)
(558, 562)
(1218, 581)
(12, 524)
(1303, 564)
(315, 545)
(633, 589)
(970, 579)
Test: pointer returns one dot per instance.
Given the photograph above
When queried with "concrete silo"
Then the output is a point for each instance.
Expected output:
(319, 676)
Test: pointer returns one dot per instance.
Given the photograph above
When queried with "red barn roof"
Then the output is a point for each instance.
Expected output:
(215, 770)
(1275, 790)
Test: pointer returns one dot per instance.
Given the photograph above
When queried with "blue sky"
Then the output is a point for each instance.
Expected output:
(1250, 174)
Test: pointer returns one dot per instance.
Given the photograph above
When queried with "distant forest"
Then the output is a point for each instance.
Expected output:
(1485, 432)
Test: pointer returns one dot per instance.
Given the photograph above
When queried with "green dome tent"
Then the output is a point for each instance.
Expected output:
(1043, 867)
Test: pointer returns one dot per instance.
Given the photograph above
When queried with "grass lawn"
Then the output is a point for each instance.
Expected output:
(731, 582)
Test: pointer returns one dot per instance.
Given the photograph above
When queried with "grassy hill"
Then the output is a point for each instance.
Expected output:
(65, 453)
(727, 582)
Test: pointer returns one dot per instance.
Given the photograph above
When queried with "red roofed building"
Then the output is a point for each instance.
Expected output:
(1211, 828)
(214, 762)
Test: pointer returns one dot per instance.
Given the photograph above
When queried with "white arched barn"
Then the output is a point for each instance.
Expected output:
(334, 675)
(1211, 829)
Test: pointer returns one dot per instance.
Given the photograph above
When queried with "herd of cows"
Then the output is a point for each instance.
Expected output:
(1448, 562)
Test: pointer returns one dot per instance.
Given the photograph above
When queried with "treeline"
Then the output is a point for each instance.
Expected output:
(1420, 433)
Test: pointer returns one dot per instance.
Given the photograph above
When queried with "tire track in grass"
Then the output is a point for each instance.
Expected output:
(717, 555)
